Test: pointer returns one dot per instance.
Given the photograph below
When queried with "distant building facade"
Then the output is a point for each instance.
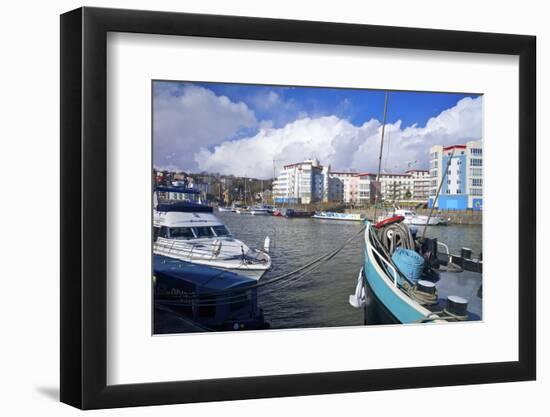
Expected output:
(303, 183)
(462, 187)
(345, 187)
(420, 184)
(309, 182)
(393, 187)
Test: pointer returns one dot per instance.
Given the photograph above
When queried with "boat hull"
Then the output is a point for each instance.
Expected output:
(299, 214)
(349, 217)
(249, 272)
(253, 264)
(375, 311)
(419, 221)
(388, 304)
(211, 308)
(391, 304)
(259, 213)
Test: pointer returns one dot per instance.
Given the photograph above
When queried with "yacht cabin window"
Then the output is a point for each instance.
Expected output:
(204, 231)
(181, 233)
(159, 232)
(221, 230)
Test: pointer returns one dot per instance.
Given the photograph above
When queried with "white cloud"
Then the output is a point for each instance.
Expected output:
(337, 142)
(191, 117)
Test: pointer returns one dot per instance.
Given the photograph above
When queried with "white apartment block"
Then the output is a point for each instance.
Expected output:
(462, 186)
(302, 183)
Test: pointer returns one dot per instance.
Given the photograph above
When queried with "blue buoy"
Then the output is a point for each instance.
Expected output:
(409, 262)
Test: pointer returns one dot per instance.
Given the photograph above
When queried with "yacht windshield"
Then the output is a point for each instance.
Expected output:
(181, 233)
(221, 230)
(205, 231)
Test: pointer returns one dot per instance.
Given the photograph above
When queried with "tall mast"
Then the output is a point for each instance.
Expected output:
(380, 154)
(438, 191)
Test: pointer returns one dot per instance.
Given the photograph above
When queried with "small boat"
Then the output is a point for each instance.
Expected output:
(330, 215)
(203, 298)
(225, 209)
(291, 213)
(242, 210)
(411, 218)
(260, 211)
(406, 279)
(189, 231)
(278, 213)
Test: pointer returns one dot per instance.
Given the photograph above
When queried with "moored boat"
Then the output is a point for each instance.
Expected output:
(259, 211)
(204, 298)
(330, 215)
(189, 231)
(406, 279)
(412, 218)
(291, 213)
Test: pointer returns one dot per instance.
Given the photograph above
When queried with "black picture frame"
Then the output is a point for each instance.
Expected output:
(84, 207)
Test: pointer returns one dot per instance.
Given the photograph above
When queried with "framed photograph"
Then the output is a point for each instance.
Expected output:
(258, 208)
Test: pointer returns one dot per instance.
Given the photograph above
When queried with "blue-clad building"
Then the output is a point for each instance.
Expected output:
(462, 186)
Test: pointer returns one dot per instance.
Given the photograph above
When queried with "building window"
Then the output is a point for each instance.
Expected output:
(476, 172)
(476, 162)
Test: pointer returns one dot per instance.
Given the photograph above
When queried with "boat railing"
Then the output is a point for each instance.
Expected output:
(447, 251)
(189, 248)
(211, 250)
(388, 265)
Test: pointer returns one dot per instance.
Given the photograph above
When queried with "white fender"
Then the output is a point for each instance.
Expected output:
(359, 299)
(267, 243)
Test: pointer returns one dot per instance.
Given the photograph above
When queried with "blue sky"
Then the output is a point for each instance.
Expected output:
(355, 105)
(221, 121)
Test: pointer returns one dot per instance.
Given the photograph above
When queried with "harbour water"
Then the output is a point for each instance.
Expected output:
(320, 299)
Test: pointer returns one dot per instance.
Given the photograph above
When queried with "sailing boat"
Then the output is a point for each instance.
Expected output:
(244, 208)
(412, 279)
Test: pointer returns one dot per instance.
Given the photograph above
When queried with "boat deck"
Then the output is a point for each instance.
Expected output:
(465, 284)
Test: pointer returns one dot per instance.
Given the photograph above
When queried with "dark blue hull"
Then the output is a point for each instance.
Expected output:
(190, 298)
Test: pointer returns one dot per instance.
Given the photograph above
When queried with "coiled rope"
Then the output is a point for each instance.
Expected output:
(398, 235)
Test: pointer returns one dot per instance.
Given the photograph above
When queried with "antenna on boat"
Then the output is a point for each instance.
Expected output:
(380, 155)
(437, 193)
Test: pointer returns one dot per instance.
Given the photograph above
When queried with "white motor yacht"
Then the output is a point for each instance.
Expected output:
(260, 210)
(190, 232)
(412, 218)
